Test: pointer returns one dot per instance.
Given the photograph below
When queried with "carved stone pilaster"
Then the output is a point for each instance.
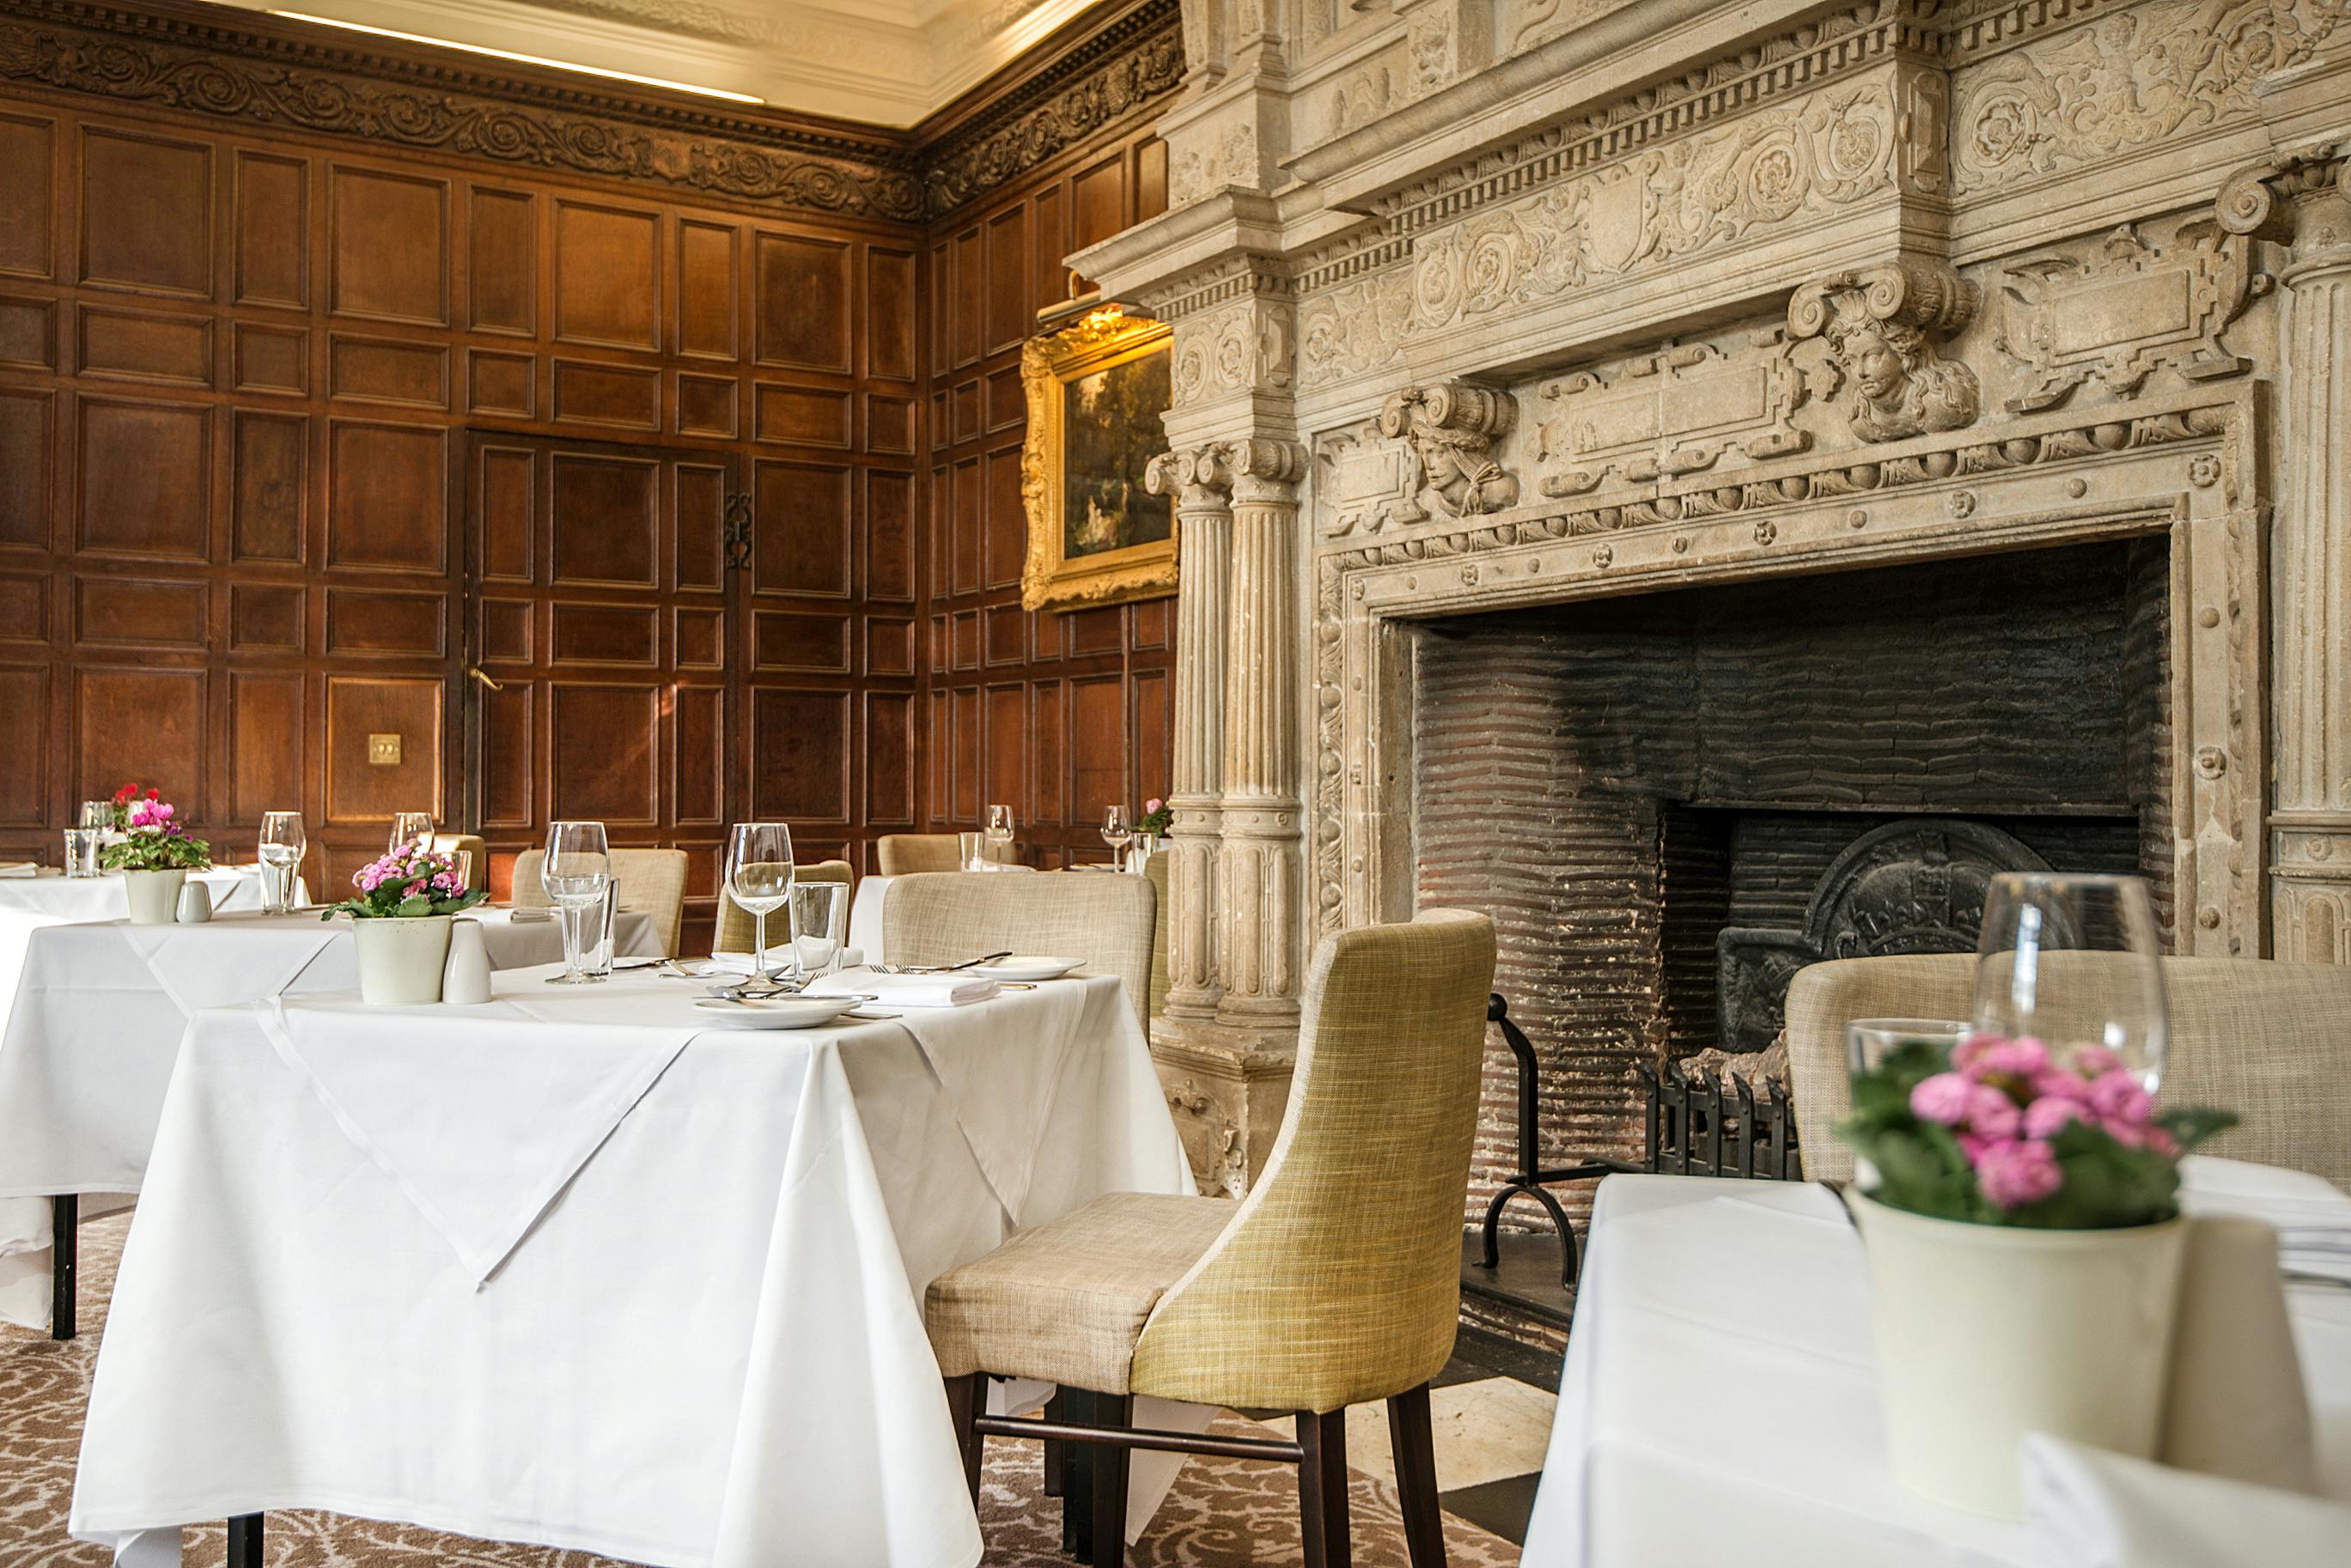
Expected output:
(2310, 903)
(1263, 857)
(1200, 480)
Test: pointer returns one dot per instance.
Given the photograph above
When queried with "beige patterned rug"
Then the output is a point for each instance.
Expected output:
(1223, 1513)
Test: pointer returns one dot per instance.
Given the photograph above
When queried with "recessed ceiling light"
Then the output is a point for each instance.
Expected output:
(525, 59)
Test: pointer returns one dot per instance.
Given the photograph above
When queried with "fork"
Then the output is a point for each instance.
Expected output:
(939, 968)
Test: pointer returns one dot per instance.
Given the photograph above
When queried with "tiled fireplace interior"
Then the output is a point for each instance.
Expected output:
(1670, 802)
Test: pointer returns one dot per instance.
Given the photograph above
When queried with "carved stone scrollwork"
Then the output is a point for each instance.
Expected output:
(2114, 318)
(1669, 414)
(1451, 429)
(1883, 327)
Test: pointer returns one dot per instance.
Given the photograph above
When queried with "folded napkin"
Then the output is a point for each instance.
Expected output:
(2090, 1508)
(906, 989)
(19, 869)
(2235, 1405)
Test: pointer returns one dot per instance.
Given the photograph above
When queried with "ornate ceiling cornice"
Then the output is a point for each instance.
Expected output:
(270, 73)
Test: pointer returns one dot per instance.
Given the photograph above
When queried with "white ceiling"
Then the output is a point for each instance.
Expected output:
(884, 62)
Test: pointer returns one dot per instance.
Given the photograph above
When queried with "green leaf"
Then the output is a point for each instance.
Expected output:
(421, 903)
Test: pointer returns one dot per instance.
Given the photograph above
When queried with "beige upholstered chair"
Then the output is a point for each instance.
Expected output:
(1105, 920)
(1154, 869)
(1334, 1283)
(477, 870)
(652, 880)
(736, 930)
(911, 854)
(2265, 1040)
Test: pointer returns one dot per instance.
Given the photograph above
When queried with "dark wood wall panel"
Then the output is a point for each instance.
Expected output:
(1057, 715)
(298, 428)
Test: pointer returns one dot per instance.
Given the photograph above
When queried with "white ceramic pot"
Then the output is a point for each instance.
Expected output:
(1987, 1332)
(154, 896)
(401, 959)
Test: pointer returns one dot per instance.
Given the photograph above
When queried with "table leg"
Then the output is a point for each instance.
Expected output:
(244, 1541)
(65, 1240)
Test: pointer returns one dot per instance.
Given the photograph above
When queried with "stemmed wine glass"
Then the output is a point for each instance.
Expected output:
(1118, 833)
(411, 827)
(281, 852)
(999, 829)
(2074, 960)
(577, 869)
(759, 878)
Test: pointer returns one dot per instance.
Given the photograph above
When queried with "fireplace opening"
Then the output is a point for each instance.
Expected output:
(1671, 801)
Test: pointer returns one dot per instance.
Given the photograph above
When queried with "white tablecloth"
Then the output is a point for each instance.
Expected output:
(93, 1025)
(367, 1276)
(1719, 1401)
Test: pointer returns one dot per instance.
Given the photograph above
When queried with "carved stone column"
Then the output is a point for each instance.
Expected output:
(1200, 481)
(1263, 855)
(2299, 199)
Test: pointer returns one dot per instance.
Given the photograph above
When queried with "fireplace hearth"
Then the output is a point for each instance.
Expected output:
(1671, 801)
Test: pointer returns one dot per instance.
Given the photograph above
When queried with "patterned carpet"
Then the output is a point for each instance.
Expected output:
(1223, 1513)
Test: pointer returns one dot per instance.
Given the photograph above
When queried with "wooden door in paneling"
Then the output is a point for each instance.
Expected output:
(596, 615)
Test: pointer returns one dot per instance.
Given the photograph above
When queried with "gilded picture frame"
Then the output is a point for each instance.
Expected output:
(1096, 392)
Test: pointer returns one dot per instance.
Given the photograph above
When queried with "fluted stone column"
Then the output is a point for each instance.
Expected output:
(1263, 854)
(2310, 542)
(1200, 482)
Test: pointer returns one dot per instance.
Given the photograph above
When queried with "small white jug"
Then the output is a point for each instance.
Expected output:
(195, 903)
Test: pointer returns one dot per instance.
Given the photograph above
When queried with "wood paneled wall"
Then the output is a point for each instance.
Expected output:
(296, 430)
(1056, 714)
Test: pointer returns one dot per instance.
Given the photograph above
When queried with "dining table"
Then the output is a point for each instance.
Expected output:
(91, 1029)
(613, 1272)
(1720, 1402)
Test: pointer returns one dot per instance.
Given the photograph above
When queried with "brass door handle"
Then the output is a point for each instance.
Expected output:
(478, 673)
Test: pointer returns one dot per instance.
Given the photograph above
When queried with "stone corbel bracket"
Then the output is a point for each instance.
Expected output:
(1449, 429)
(1883, 327)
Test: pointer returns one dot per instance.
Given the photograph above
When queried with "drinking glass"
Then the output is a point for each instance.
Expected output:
(1118, 833)
(1000, 834)
(1869, 1041)
(759, 878)
(462, 861)
(819, 916)
(98, 814)
(577, 869)
(410, 827)
(81, 850)
(967, 852)
(2074, 960)
(281, 852)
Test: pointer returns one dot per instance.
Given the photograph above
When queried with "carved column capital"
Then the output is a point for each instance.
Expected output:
(1450, 429)
(1265, 471)
(2262, 201)
(1884, 326)
(1198, 477)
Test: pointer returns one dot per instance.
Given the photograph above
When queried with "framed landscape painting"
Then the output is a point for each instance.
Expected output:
(1096, 536)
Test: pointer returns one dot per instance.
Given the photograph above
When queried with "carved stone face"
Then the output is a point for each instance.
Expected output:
(1879, 370)
(1443, 463)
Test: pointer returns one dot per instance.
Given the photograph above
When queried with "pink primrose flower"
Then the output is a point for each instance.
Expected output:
(2017, 1172)
(2014, 1058)
(2045, 1116)
(2117, 1097)
(1944, 1098)
(1991, 1113)
(2092, 1061)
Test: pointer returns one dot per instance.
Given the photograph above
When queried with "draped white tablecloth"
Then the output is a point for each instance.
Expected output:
(93, 1024)
(1719, 1401)
(585, 1271)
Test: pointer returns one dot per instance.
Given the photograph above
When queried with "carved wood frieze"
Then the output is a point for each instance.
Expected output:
(225, 73)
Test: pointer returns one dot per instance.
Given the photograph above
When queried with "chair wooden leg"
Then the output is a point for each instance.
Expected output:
(1053, 1412)
(1323, 1490)
(965, 1395)
(1414, 1448)
(1078, 1478)
(1110, 1482)
(244, 1541)
(64, 1251)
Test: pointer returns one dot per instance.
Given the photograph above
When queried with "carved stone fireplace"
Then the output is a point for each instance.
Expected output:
(1671, 801)
(1488, 309)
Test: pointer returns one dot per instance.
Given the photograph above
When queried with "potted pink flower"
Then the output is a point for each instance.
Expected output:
(154, 855)
(1151, 829)
(399, 921)
(2024, 1242)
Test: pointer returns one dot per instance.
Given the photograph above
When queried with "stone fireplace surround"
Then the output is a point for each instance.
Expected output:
(1486, 305)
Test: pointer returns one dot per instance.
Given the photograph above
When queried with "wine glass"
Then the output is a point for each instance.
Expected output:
(998, 829)
(411, 827)
(820, 919)
(1118, 833)
(759, 878)
(2074, 960)
(577, 869)
(281, 852)
(98, 814)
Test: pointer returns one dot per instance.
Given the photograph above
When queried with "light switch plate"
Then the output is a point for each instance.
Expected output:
(383, 751)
